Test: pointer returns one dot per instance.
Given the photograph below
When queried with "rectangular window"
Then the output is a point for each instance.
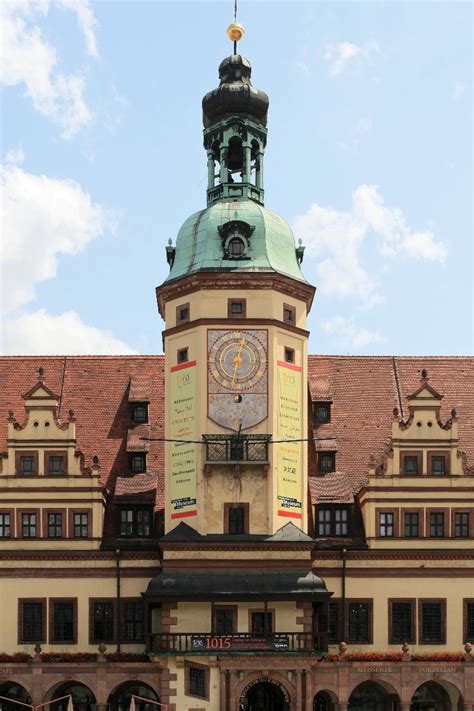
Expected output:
(461, 524)
(432, 621)
(289, 314)
(31, 621)
(289, 355)
(236, 308)
(81, 525)
(182, 355)
(358, 621)
(63, 623)
(324, 522)
(27, 465)
(411, 464)
(55, 525)
(411, 525)
(322, 412)
(197, 681)
(102, 621)
(258, 623)
(5, 525)
(28, 525)
(468, 620)
(138, 463)
(332, 521)
(135, 522)
(437, 525)
(56, 464)
(402, 621)
(386, 521)
(140, 412)
(133, 620)
(340, 522)
(437, 464)
(225, 620)
(236, 519)
(182, 313)
(334, 622)
(327, 462)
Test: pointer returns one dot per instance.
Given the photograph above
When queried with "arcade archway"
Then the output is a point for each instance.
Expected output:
(16, 692)
(120, 698)
(323, 701)
(83, 698)
(265, 695)
(370, 696)
(432, 696)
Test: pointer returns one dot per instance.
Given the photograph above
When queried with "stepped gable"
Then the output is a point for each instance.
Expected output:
(364, 393)
(96, 388)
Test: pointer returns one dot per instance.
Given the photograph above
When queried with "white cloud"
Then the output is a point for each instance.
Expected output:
(340, 56)
(336, 237)
(42, 219)
(15, 155)
(28, 59)
(40, 333)
(350, 335)
(459, 89)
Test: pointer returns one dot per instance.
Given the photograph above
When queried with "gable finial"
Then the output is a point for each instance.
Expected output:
(424, 374)
(41, 373)
(235, 31)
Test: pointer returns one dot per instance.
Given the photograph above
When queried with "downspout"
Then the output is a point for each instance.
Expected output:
(343, 594)
(117, 597)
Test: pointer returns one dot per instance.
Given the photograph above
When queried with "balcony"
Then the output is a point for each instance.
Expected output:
(202, 643)
(237, 448)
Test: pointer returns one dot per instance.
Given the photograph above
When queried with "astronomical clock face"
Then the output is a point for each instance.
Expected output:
(237, 377)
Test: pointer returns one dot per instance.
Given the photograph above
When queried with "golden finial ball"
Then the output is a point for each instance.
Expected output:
(235, 31)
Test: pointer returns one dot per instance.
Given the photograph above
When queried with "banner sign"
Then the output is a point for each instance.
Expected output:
(207, 643)
(182, 464)
(289, 427)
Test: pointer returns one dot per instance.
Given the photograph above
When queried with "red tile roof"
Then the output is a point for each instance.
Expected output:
(141, 388)
(138, 438)
(333, 488)
(138, 484)
(364, 391)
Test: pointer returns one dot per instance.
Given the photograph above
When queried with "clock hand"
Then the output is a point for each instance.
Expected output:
(237, 359)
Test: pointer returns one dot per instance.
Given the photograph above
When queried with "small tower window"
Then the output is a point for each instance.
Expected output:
(236, 308)
(289, 355)
(182, 313)
(322, 412)
(182, 355)
(140, 412)
(289, 313)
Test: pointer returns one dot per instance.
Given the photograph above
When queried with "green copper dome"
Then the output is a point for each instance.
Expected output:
(235, 236)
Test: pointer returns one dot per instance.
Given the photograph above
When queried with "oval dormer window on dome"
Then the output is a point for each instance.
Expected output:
(236, 239)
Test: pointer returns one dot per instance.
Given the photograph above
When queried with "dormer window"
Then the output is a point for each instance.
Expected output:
(322, 412)
(138, 462)
(236, 248)
(140, 412)
(327, 462)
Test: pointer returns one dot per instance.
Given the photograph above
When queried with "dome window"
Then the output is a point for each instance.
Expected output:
(236, 239)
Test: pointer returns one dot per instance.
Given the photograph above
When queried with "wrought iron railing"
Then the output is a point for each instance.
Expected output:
(237, 448)
(202, 643)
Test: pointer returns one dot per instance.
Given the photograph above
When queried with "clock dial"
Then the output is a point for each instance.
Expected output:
(237, 377)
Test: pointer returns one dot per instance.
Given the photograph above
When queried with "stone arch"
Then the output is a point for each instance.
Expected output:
(380, 694)
(272, 677)
(449, 687)
(85, 689)
(388, 684)
(331, 696)
(128, 687)
(7, 689)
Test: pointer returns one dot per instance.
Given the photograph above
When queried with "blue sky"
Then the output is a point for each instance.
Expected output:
(369, 158)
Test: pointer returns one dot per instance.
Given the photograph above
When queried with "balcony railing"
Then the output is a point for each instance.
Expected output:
(237, 448)
(201, 643)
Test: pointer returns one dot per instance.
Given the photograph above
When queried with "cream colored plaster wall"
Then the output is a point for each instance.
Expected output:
(196, 617)
(261, 303)
(383, 588)
(184, 702)
(248, 486)
(12, 589)
(193, 617)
